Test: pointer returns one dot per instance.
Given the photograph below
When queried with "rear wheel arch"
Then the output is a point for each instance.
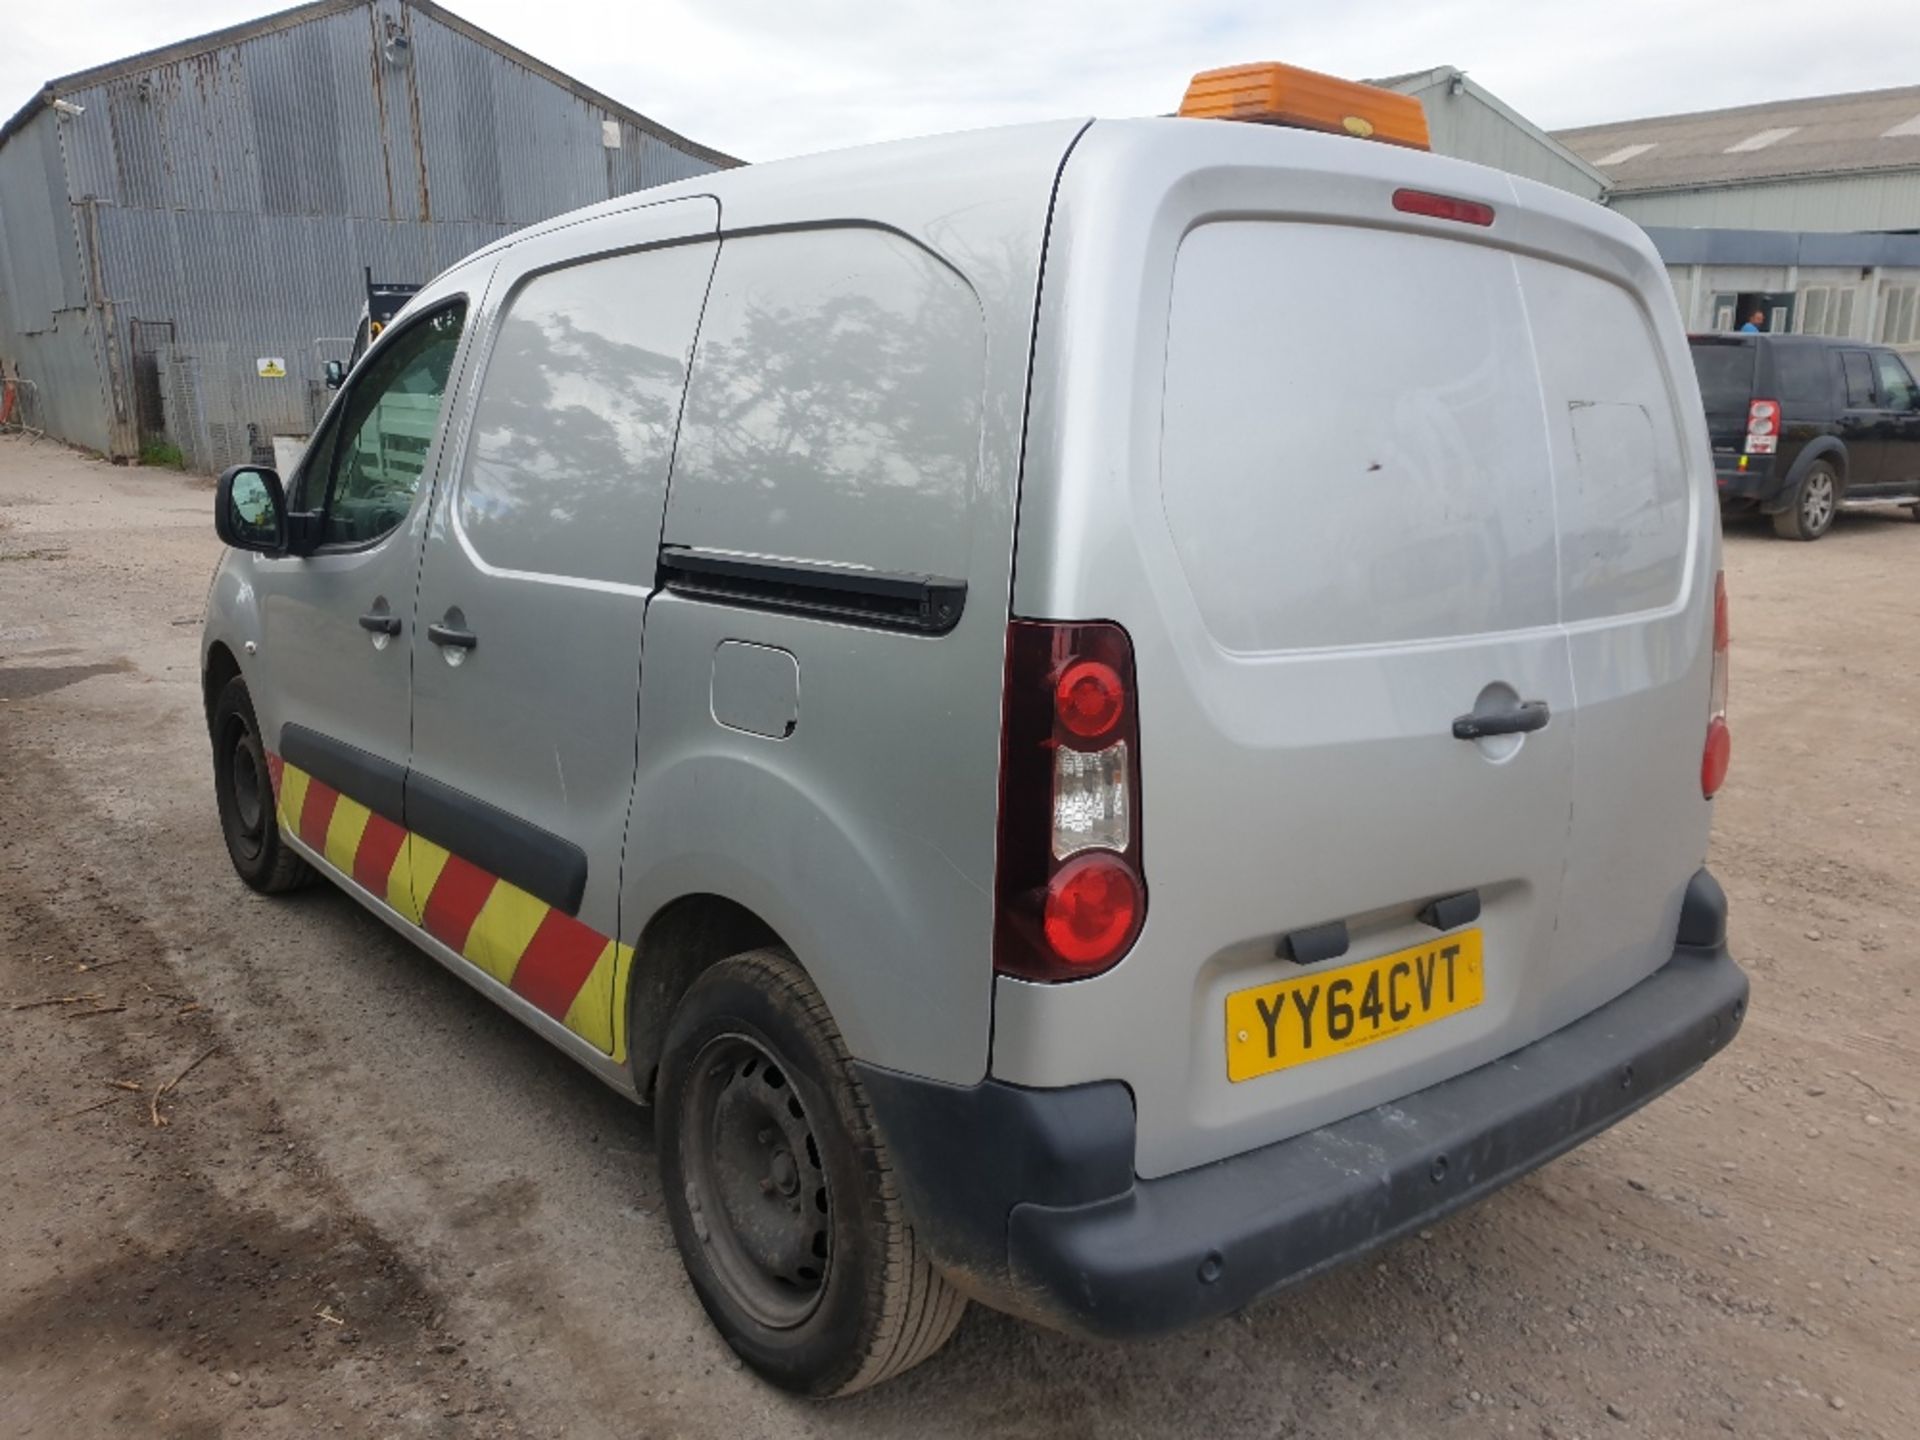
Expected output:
(685, 938)
(1831, 449)
(219, 667)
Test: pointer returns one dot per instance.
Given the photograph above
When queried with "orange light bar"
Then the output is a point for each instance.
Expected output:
(1276, 94)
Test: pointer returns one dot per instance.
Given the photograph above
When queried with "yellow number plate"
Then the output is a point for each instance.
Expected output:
(1272, 1027)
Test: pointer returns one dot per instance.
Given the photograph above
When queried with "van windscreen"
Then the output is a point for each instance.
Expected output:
(1725, 369)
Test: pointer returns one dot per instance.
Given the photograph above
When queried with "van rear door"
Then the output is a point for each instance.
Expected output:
(1379, 475)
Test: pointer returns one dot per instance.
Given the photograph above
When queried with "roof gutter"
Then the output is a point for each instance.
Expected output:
(1625, 190)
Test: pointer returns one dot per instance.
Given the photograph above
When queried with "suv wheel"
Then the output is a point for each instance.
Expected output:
(1816, 500)
(780, 1189)
(243, 792)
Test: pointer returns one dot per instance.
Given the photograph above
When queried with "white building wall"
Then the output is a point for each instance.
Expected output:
(1885, 201)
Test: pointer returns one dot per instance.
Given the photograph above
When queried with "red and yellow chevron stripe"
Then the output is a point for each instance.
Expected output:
(569, 970)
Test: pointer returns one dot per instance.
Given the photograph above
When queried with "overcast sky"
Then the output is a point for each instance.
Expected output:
(766, 78)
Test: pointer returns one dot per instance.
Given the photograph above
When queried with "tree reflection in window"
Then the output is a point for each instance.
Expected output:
(574, 427)
(834, 412)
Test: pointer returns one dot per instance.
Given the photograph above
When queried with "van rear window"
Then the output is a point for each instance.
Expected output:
(1726, 375)
(1352, 450)
(1375, 437)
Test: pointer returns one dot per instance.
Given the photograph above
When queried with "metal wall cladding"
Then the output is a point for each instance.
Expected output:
(1889, 200)
(243, 191)
(40, 272)
(1466, 127)
(46, 331)
(504, 144)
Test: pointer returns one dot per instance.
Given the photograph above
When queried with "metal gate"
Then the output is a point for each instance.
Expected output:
(152, 340)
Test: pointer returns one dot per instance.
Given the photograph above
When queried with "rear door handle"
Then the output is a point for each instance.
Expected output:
(447, 635)
(1523, 719)
(381, 623)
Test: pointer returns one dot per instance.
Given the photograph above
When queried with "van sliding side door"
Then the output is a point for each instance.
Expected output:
(533, 593)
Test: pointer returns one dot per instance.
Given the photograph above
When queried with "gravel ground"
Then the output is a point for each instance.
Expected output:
(378, 1207)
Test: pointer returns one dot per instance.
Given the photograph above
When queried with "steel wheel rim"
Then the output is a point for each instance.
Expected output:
(755, 1183)
(1817, 506)
(247, 787)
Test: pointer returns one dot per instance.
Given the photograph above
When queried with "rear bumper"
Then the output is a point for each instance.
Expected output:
(1028, 1197)
(1760, 483)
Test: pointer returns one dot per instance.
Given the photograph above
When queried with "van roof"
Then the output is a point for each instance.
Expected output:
(951, 192)
(902, 183)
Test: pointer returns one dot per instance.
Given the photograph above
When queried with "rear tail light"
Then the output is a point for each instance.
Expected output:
(1763, 427)
(1069, 892)
(1719, 747)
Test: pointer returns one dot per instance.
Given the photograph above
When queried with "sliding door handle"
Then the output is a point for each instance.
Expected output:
(1522, 719)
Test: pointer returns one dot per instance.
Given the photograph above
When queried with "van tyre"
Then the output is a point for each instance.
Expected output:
(243, 793)
(781, 1190)
(1816, 500)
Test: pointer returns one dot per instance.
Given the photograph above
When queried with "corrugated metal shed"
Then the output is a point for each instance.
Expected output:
(1784, 139)
(47, 328)
(1835, 163)
(227, 193)
(1469, 122)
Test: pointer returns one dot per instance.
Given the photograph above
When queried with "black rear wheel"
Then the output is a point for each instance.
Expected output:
(1816, 500)
(243, 792)
(781, 1191)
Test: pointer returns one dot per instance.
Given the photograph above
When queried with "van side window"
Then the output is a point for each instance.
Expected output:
(834, 408)
(1896, 385)
(1859, 379)
(573, 429)
(380, 443)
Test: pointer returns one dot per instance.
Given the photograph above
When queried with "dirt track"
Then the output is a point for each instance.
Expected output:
(380, 1208)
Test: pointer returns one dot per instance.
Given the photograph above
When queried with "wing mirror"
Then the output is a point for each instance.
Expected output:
(336, 374)
(250, 510)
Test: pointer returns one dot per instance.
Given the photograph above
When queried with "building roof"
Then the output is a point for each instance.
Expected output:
(1413, 82)
(1783, 139)
(300, 15)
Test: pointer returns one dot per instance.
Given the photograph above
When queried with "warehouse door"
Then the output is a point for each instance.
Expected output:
(152, 344)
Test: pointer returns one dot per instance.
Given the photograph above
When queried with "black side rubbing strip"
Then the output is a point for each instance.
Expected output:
(374, 782)
(520, 853)
(922, 603)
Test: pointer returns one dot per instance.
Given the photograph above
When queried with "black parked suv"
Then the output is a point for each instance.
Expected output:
(1805, 426)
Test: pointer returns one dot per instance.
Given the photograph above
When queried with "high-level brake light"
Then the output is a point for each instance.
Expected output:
(1442, 207)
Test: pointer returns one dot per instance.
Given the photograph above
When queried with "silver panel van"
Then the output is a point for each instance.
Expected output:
(1099, 716)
